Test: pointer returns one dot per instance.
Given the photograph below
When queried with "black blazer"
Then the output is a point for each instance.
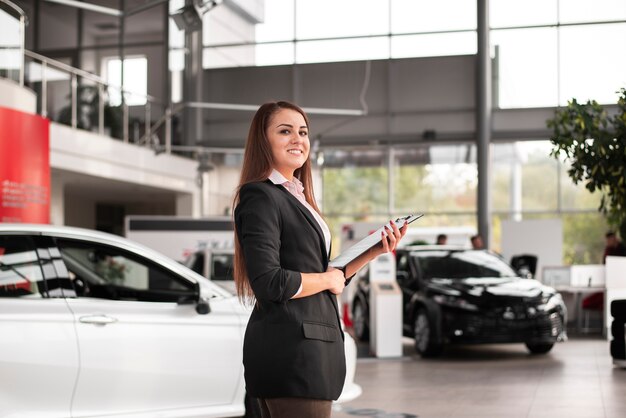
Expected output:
(292, 347)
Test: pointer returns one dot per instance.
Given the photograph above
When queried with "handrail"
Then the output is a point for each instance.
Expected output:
(85, 74)
(101, 85)
(74, 74)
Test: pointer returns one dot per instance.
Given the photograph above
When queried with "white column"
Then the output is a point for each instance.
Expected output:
(184, 204)
(57, 201)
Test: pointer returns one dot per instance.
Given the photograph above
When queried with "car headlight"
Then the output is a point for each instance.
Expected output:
(550, 302)
(454, 302)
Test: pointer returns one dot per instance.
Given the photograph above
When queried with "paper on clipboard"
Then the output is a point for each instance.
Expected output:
(367, 243)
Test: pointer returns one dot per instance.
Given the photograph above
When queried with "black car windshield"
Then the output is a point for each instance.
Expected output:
(461, 264)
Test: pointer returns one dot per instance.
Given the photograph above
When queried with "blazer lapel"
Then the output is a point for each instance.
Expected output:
(309, 217)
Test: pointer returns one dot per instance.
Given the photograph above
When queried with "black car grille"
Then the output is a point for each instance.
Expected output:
(511, 325)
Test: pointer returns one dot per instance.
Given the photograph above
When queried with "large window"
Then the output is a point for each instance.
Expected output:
(550, 51)
(545, 52)
(441, 181)
(135, 80)
(309, 31)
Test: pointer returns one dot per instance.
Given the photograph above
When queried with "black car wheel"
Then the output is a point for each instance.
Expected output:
(359, 322)
(539, 348)
(423, 331)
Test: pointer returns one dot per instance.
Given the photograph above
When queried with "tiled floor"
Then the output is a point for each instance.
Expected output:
(576, 379)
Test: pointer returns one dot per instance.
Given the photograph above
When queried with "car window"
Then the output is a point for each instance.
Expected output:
(20, 271)
(107, 272)
(54, 271)
(461, 265)
(222, 267)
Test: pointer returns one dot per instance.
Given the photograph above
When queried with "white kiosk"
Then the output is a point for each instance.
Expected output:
(385, 308)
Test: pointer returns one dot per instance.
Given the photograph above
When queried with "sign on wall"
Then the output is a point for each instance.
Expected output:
(24, 167)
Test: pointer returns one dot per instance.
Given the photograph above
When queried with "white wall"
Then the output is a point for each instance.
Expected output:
(15, 97)
(88, 153)
(543, 238)
(85, 164)
(222, 184)
(57, 200)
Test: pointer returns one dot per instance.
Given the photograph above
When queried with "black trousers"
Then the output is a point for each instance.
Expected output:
(295, 407)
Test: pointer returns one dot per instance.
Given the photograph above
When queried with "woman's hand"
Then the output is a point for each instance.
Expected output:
(389, 242)
(391, 239)
(335, 280)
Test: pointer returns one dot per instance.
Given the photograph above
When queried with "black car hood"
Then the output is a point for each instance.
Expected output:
(488, 287)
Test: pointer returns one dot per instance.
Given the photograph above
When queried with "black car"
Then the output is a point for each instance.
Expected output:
(455, 295)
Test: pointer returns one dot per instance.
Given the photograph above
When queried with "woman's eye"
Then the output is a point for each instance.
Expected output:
(285, 131)
(303, 133)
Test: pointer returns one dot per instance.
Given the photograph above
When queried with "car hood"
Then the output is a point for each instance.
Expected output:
(490, 287)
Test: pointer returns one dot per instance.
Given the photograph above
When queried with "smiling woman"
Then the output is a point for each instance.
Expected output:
(293, 352)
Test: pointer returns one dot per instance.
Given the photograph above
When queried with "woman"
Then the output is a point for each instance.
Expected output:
(293, 348)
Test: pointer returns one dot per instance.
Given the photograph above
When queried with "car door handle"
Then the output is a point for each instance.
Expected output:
(97, 319)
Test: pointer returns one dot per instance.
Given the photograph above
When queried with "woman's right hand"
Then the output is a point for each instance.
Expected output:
(335, 280)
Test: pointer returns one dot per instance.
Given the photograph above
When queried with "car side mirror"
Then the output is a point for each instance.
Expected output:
(203, 307)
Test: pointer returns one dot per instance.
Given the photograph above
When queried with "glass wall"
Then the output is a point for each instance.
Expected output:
(11, 60)
(441, 181)
(545, 52)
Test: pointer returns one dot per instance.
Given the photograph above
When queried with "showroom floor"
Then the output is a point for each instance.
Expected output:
(576, 379)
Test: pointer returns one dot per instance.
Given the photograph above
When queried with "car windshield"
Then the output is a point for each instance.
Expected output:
(461, 264)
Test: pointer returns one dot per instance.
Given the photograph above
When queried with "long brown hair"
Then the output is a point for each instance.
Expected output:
(257, 166)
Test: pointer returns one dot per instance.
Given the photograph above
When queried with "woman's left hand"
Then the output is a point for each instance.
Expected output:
(389, 242)
(393, 237)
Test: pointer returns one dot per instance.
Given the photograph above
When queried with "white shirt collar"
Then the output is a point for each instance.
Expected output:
(277, 178)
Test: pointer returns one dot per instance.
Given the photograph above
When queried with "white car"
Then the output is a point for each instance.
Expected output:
(95, 325)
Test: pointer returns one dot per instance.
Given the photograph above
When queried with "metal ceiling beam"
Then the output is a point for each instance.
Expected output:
(255, 107)
(88, 6)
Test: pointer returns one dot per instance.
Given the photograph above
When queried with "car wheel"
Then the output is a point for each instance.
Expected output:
(539, 348)
(253, 409)
(423, 332)
(359, 321)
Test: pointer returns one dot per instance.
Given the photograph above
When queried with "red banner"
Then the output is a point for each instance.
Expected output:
(24, 167)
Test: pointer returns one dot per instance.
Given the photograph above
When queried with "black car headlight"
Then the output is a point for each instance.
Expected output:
(455, 302)
(550, 302)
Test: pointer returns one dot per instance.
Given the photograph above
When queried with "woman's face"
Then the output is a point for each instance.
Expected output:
(288, 136)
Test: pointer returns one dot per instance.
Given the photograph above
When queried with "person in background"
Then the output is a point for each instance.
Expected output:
(613, 246)
(442, 239)
(477, 242)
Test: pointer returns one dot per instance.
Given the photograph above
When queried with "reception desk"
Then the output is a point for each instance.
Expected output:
(578, 281)
(582, 280)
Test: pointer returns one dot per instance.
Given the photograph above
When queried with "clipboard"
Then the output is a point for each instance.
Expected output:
(346, 257)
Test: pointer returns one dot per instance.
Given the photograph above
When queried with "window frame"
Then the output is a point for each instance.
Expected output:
(128, 94)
